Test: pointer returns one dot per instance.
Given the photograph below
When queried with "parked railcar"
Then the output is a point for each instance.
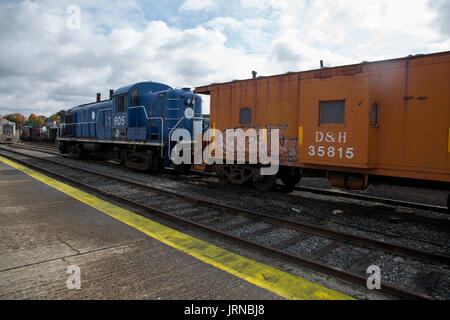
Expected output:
(25, 133)
(52, 134)
(7, 131)
(40, 134)
(356, 124)
(134, 126)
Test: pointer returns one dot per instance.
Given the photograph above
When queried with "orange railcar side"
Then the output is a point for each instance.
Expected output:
(395, 117)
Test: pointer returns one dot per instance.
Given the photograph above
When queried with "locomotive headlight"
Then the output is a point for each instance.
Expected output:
(188, 101)
(189, 113)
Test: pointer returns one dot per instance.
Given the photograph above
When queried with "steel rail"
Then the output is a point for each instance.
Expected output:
(388, 201)
(375, 210)
(393, 202)
(37, 148)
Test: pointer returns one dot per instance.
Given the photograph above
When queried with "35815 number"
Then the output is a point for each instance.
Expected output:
(331, 152)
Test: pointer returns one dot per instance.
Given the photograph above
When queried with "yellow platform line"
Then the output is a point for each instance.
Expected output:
(271, 279)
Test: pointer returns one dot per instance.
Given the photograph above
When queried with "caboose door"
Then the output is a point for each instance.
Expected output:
(334, 122)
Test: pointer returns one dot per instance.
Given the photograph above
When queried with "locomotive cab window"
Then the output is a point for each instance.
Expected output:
(245, 116)
(122, 103)
(135, 97)
(332, 112)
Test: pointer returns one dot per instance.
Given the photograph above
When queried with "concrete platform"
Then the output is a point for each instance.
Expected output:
(44, 231)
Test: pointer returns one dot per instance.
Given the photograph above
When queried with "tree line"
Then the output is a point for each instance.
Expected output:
(35, 120)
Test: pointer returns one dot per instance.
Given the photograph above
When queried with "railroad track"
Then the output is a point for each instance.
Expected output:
(387, 213)
(41, 148)
(396, 203)
(390, 202)
(277, 236)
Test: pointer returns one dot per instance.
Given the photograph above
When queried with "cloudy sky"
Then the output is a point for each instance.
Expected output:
(51, 60)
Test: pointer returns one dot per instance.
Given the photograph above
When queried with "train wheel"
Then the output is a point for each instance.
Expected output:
(265, 183)
(290, 176)
(122, 158)
(76, 152)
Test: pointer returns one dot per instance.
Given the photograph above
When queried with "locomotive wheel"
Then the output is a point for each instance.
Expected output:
(265, 183)
(62, 148)
(290, 176)
(76, 152)
(122, 158)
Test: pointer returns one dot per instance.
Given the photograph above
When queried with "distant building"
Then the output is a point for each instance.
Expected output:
(7, 131)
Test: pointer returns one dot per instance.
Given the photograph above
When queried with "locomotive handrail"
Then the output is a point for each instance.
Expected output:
(170, 135)
(90, 122)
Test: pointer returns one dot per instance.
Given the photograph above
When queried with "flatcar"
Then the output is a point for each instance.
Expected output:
(356, 124)
(7, 131)
(134, 126)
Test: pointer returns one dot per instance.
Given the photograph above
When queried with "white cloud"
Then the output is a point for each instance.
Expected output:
(59, 68)
(442, 17)
(196, 5)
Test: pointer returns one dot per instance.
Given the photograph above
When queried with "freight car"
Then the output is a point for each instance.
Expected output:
(52, 134)
(7, 131)
(36, 134)
(356, 124)
(40, 134)
(134, 126)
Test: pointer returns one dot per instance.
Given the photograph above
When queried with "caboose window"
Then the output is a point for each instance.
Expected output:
(245, 116)
(332, 112)
(374, 120)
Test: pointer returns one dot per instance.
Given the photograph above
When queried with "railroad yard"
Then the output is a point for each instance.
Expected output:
(312, 235)
(225, 159)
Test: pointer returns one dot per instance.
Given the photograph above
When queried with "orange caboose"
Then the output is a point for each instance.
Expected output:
(355, 124)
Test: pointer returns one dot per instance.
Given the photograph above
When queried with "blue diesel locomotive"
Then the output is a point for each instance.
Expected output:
(134, 126)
